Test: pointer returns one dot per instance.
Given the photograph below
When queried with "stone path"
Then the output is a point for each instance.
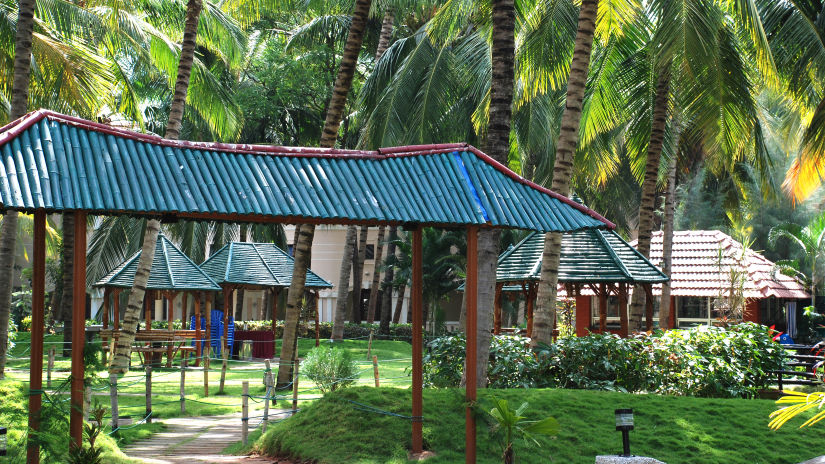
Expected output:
(196, 440)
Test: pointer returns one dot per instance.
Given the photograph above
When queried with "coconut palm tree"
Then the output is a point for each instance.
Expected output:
(306, 232)
(810, 240)
(123, 348)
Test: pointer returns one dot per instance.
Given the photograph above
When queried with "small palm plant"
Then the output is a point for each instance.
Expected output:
(798, 403)
(513, 423)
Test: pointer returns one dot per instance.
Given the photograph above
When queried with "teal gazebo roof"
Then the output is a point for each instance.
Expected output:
(587, 256)
(256, 264)
(171, 270)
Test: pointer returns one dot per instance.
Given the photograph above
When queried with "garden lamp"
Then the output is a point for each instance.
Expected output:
(2, 441)
(624, 423)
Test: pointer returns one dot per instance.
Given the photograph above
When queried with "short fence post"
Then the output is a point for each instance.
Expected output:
(206, 373)
(375, 368)
(269, 381)
(245, 413)
(183, 360)
(49, 368)
(247, 349)
(224, 350)
(87, 402)
(113, 399)
(295, 387)
(369, 347)
(148, 393)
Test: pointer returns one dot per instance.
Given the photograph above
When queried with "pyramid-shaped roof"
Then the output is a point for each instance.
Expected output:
(256, 264)
(703, 260)
(587, 256)
(171, 270)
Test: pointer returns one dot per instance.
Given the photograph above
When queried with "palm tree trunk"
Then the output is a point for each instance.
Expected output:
(68, 288)
(343, 284)
(131, 318)
(19, 103)
(358, 274)
(667, 245)
(335, 112)
(386, 33)
(399, 303)
(386, 286)
(648, 202)
(376, 275)
(544, 316)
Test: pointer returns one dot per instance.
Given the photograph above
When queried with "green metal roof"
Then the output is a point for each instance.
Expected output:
(60, 163)
(258, 264)
(171, 270)
(587, 256)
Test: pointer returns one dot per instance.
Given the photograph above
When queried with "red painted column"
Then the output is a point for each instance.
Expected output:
(36, 365)
(317, 318)
(582, 315)
(623, 316)
(752, 312)
(417, 305)
(471, 295)
(78, 329)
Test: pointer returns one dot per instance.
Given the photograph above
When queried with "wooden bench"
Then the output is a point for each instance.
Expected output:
(148, 342)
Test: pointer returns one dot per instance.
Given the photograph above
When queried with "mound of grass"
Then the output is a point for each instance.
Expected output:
(676, 430)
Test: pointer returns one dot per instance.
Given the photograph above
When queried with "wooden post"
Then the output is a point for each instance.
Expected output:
(87, 402)
(116, 311)
(207, 334)
(497, 311)
(78, 330)
(227, 301)
(184, 320)
(224, 350)
(295, 386)
(149, 301)
(113, 401)
(148, 393)
(205, 374)
(36, 354)
(623, 309)
(317, 319)
(369, 346)
(603, 308)
(105, 319)
(170, 319)
(50, 367)
(648, 288)
(245, 413)
(269, 382)
(275, 294)
(417, 304)
(198, 332)
(183, 363)
(531, 300)
(471, 296)
(375, 369)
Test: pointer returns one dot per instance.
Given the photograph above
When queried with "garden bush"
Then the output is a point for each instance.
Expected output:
(330, 368)
(702, 361)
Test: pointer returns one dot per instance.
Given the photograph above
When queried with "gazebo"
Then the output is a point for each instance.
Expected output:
(593, 261)
(172, 273)
(258, 266)
(54, 163)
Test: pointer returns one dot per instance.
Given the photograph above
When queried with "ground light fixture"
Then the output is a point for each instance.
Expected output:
(624, 423)
(2, 441)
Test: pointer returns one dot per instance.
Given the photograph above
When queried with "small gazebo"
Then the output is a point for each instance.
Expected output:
(257, 266)
(172, 273)
(592, 260)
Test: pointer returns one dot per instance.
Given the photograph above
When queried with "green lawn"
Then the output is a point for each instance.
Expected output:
(676, 430)
(394, 363)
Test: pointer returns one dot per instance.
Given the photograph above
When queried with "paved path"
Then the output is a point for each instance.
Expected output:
(195, 440)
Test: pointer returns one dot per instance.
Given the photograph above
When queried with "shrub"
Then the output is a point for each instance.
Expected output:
(701, 361)
(329, 368)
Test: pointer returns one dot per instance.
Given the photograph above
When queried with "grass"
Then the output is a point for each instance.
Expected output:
(394, 363)
(676, 430)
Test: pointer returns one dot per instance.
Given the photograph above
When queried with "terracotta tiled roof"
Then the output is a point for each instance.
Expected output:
(702, 260)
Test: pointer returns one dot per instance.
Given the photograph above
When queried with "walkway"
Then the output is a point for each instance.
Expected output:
(195, 440)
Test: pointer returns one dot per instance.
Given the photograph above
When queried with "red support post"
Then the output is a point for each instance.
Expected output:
(78, 330)
(317, 319)
(471, 295)
(497, 310)
(198, 333)
(170, 319)
(227, 302)
(116, 311)
(275, 294)
(417, 304)
(36, 365)
(625, 331)
(603, 309)
(531, 301)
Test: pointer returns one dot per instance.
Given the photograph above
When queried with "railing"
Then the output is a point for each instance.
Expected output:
(809, 358)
